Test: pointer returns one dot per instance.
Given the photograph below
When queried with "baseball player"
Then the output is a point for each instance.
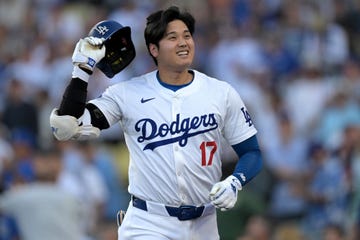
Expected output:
(173, 120)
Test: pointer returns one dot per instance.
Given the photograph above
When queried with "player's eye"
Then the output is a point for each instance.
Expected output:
(187, 36)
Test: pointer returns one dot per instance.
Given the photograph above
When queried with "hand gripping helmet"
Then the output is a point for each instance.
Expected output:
(120, 50)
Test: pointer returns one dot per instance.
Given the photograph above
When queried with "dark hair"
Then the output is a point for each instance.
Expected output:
(157, 22)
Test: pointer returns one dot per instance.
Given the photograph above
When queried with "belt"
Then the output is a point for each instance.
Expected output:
(183, 213)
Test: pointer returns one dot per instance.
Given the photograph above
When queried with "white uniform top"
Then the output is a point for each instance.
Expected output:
(174, 137)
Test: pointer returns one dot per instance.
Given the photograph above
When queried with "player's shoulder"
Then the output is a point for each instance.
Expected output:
(211, 81)
(137, 81)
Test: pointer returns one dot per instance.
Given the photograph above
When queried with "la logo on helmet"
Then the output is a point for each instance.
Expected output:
(101, 29)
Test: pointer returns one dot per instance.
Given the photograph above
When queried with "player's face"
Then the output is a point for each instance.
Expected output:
(176, 48)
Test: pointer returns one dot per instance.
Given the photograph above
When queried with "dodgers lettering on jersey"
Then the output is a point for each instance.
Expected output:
(174, 138)
(187, 127)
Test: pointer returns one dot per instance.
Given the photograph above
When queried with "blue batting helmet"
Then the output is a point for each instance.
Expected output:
(120, 50)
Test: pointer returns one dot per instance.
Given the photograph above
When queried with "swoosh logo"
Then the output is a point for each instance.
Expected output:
(144, 100)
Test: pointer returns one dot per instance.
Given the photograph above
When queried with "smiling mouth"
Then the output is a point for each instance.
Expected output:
(182, 53)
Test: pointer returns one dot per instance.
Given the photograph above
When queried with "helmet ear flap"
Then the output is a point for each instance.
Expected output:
(120, 50)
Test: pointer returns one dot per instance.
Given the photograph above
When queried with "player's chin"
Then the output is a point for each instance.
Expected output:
(185, 62)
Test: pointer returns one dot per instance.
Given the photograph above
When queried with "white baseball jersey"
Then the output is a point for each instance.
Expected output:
(174, 137)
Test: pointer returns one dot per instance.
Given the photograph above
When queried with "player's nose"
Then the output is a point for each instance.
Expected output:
(182, 42)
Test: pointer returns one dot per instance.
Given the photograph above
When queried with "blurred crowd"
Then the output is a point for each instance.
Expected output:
(295, 63)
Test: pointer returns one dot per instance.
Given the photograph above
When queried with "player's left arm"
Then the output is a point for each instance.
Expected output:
(223, 194)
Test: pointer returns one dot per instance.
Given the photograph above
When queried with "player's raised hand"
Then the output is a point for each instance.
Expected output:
(223, 194)
(88, 52)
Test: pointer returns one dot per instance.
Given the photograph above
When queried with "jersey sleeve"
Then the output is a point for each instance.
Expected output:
(238, 125)
(110, 103)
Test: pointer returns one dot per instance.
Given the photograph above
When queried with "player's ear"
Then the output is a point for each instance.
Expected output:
(154, 50)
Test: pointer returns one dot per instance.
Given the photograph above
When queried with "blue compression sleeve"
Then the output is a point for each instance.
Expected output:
(250, 160)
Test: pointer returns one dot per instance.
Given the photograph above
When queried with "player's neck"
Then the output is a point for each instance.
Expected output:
(176, 78)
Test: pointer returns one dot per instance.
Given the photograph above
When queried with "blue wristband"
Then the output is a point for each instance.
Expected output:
(250, 160)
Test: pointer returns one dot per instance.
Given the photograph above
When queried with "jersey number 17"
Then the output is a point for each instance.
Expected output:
(210, 148)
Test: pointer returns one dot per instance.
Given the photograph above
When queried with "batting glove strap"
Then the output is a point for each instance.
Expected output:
(223, 194)
(81, 73)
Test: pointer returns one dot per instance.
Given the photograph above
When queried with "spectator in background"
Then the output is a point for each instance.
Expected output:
(282, 63)
(21, 169)
(286, 160)
(40, 208)
(326, 193)
(355, 227)
(118, 197)
(305, 97)
(8, 227)
(349, 79)
(347, 14)
(6, 157)
(333, 232)
(340, 112)
(82, 179)
(349, 153)
(43, 106)
(288, 231)
(257, 228)
(324, 42)
(94, 184)
(19, 114)
(290, 23)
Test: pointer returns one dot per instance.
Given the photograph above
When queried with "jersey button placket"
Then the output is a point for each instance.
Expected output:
(177, 150)
(179, 166)
(176, 105)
